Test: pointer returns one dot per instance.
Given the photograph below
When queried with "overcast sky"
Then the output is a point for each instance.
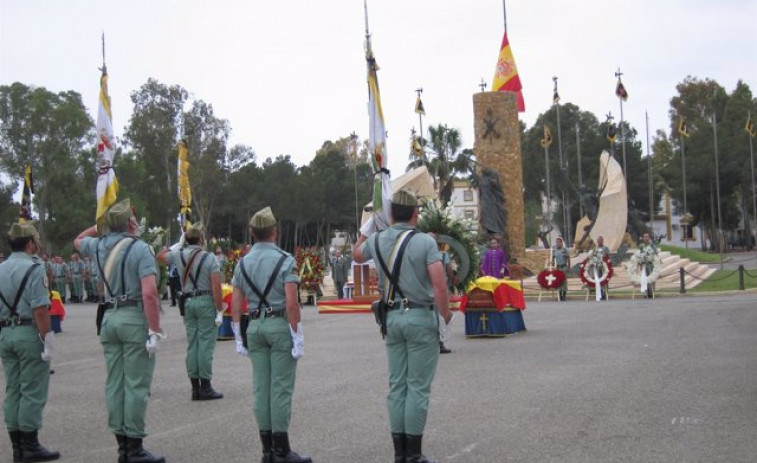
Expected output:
(289, 75)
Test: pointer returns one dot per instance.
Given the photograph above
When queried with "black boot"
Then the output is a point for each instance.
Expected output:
(31, 450)
(195, 388)
(207, 392)
(399, 447)
(413, 451)
(266, 439)
(135, 453)
(16, 444)
(121, 439)
(443, 349)
(282, 453)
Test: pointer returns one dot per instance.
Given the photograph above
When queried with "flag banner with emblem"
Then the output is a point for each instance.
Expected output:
(185, 192)
(506, 77)
(683, 128)
(107, 183)
(547, 140)
(620, 91)
(749, 127)
(415, 145)
(555, 96)
(612, 132)
(382, 187)
(419, 109)
(25, 213)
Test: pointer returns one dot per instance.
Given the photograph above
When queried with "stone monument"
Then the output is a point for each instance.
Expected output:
(497, 147)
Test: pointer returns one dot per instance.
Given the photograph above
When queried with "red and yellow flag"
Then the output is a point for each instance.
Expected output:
(506, 74)
(25, 213)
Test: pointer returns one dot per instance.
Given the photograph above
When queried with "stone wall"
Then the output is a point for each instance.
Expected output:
(497, 146)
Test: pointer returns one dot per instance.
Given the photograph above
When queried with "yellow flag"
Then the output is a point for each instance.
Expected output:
(185, 192)
(107, 183)
(547, 140)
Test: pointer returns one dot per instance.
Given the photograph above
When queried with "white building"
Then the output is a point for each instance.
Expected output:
(465, 201)
(674, 227)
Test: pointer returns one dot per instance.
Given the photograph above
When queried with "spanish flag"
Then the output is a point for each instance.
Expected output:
(749, 127)
(25, 213)
(107, 183)
(547, 140)
(683, 128)
(620, 91)
(185, 192)
(506, 74)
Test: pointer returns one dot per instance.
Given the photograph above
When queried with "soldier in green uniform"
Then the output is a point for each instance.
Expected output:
(131, 332)
(76, 268)
(203, 310)
(60, 272)
(604, 252)
(340, 270)
(267, 277)
(561, 260)
(26, 343)
(648, 250)
(412, 339)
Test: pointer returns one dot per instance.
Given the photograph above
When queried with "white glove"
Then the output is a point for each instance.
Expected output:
(153, 341)
(445, 328)
(241, 350)
(219, 318)
(298, 341)
(180, 244)
(48, 341)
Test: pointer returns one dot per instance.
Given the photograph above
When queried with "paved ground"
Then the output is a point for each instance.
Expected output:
(669, 380)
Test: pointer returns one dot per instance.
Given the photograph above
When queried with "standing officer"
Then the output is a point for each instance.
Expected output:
(76, 268)
(267, 277)
(340, 268)
(133, 316)
(26, 343)
(648, 251)
(60, 272)
(203, 307)
(412, 333)
(561, 259)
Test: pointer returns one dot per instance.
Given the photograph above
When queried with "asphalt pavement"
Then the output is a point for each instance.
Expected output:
(665, 380)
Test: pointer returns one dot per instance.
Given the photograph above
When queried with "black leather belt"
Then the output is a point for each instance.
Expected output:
(196, 293)
(16, 322)
(411, 305)
(122, 303)
(255, 314)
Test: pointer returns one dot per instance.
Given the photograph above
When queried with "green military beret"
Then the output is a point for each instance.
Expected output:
(23, 230)
(119, 213)
(196, 230)
(405, 198)
(263, 218)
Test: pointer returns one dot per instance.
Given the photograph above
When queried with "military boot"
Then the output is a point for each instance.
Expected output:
(413, 451)
(121, 439)
(282, 453)
(399, 447)
(195, 388)
(16, 444)
(207, 392)
(266, 440)
(444, 349)
(31, 450)
(135, 453)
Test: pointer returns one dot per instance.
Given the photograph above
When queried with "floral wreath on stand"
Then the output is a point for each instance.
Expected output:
(459, 234)
(155, 237)
(639, 258)
(232, 259)
(311, 268)
(596, 261)
(551, 278)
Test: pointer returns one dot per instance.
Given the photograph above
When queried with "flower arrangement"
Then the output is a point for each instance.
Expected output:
(155, 237)
(232, 258)
(311, 268)
(595, 261)
(459, 233)
(551, 279)
(641, 258)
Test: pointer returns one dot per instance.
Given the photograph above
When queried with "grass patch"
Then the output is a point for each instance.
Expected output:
(726, 280)
(694, 254)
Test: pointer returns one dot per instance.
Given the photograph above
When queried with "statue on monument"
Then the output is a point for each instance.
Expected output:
(493, 215)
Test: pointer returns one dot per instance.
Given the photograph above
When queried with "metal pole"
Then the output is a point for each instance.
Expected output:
(754, 192)
(721, 243)
(578, 154)
(420, 115)
(649, 175)
(504, 14)
(685, 209)
(618, 74)
(353, 154)
(565, 218)
(549, 198)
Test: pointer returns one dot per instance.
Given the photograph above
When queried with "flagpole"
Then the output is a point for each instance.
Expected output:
(419, 90)
(549, 194)
(353, 153)
(685, 207)
(751, 162)
(622, 133)
(578, 155)
(565, 218)
(717, 185)
(504, 14)
(649, 175)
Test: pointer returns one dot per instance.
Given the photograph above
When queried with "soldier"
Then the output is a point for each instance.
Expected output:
(26, 343)
(340, 269)
(267, 277)
(94, 276)
(221, 260)
(604, 252)
(60, 272)
(561, 260)
(648, 250)
(76, 269)
(129, 274)
(203, 302)
(412, 336)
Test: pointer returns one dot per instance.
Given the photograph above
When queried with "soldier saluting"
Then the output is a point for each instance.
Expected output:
(415, 290)
(267, 277)
(131, 332)
(203, 306)
(26, 343)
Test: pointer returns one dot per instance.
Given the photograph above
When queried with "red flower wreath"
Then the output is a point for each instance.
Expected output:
(556, 280)
(604, 279)
(310, 267)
